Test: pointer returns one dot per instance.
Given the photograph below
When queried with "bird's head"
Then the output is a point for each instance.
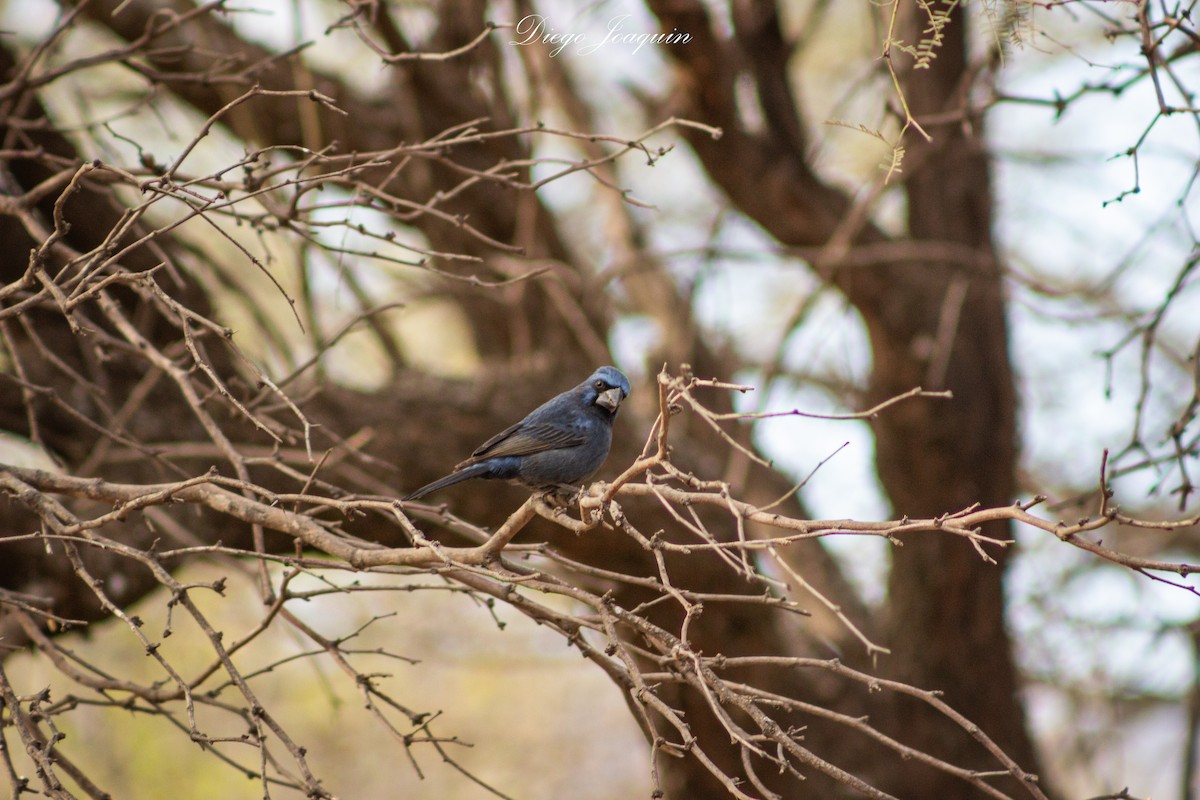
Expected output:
(606, 388)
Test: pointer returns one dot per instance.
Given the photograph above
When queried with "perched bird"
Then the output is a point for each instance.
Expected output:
(560, 444)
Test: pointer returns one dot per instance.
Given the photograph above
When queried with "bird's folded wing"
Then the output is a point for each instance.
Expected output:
(523, 439)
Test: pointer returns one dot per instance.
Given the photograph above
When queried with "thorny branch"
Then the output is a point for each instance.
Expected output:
(492, 568)
(152, 323)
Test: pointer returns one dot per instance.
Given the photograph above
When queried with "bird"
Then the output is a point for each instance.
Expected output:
(560, 444)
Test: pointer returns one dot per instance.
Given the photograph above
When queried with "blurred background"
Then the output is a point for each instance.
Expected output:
(995, 200)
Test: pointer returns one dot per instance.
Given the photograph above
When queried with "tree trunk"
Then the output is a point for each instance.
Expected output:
(932, 323)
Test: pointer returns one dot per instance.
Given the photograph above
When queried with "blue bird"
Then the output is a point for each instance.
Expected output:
(560, 444)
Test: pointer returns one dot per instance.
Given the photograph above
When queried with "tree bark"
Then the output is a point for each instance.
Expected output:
(938, 324)
(945, 611)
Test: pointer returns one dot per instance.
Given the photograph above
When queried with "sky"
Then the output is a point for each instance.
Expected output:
(1058, 220)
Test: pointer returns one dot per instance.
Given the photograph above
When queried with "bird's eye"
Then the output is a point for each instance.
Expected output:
(599, 386)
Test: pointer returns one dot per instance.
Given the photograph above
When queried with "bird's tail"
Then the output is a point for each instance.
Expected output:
(473, 471)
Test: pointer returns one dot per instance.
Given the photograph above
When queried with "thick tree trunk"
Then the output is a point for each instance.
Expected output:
(935, 324)
(946, 329)
(461, 417)
(932, 323)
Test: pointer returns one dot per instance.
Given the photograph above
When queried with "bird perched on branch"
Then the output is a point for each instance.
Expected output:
(559, 445)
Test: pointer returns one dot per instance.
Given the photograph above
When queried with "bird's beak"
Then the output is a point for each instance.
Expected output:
(610, 399)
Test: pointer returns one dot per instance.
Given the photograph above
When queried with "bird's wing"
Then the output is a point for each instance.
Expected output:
(524, 439)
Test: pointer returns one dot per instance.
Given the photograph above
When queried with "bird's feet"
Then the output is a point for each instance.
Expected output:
(561, 495)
